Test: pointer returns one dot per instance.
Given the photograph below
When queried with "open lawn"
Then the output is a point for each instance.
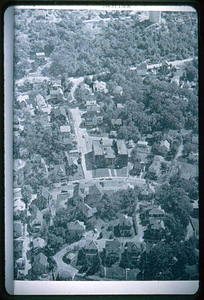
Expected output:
(121, 172)
(100, 173)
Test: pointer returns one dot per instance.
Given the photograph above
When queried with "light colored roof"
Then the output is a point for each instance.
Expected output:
(19, 205)
(108, 152)
(91, 244)
(122, 150)
(142, 66)
(159, 158)
(155, 167)
(166, 144)
(142, 143)
(156, 211)
(95, 189)
(38, 242)
(119, 105)
(125, 220)
(65, 128)
(97, 148)
(40, 54)
(22, 98)
(92, 102)
(71, 255)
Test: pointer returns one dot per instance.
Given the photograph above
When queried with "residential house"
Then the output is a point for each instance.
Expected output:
(193, 156)
(40, 264)
(40, 56)
(23, 100)
(142, 145)
(120, 107)
(38, 243)
(80, 192)
(195, 139)
(121, 153)
(36, 159)
(36, 222)
(93, 118)
(92, 106)
(62, 275)
(71, 258)
(113, 134)
(56, 96)
(41, 101)
(107, 153)
(18, 207)
(62, 199)
(116, 122)
(60, 113)
(157, 213)
(134, 251)
(165, 146)
(24, 153)
(90, 248)
(99, 86)
(71, 163)
(17, 229)
(95, 193)
(155, 16)
(57, 173)
(142, 69)
(195, 225)
(118, 90)
(155, 169)
(155, 230)
(86, 210)
(76, 229)
(113, 249)
(126, 226)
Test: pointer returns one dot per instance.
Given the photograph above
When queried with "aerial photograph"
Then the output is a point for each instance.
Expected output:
(105, 145)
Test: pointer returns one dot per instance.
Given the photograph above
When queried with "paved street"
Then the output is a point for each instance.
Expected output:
(79, 132)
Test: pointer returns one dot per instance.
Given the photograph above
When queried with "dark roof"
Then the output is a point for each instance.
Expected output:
(113, 246)
(95, 189)
(40, 259)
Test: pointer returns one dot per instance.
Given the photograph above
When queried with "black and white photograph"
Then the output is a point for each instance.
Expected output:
(105, 144)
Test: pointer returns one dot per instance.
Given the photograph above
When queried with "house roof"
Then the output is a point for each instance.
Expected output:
(122, 149)
(40, 54)
(22, 98)
(19, 204)
(156, 211)
(195, 139)
(17, 226)
(113, 245)
(159, 158)
(65, 128)
(165, 144)
(40, 259)
(38, 243)
(155, 167)
(95, 189)
(76, 225)
(79, 190)
(91, 244)
(142, 143)
(97, 148)
(87, 210)
(108, 152)
(66, 274)
(91, 103)
(125, 220)
(120, 106)
(45, 192)
(60, 111)
(133, 246)
(71, 255)
(116, 121)
(157, 225)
